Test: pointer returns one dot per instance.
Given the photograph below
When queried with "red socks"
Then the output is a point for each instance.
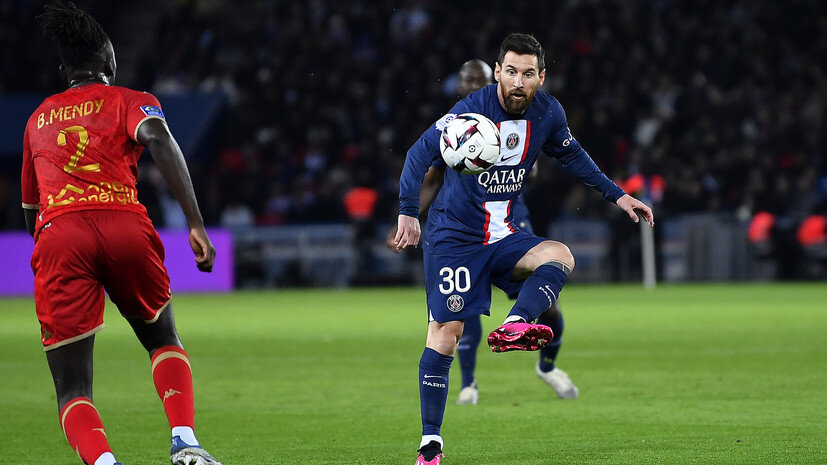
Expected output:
(173, 381)
(84, 429)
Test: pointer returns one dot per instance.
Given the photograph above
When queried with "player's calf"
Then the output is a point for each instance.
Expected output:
(467, 352)
(553, 318)
(433, 391)
(84, 431)
(173, 381)
(540, 290)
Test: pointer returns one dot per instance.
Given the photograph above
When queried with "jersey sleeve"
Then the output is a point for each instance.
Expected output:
(28, 180)
(562, 145)
(421, 156)
(141, 107)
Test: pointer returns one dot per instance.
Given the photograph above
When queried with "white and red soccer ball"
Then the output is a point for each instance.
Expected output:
(470, 143)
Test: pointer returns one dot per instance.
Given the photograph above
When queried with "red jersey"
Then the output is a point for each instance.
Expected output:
(80, 150)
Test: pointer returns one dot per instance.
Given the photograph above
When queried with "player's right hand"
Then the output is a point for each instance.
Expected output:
(203, 249)
(408, 232)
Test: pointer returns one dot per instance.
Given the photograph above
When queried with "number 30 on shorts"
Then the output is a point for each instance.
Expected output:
(459, 280)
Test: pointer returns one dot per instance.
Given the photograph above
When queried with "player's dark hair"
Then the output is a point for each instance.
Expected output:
(77, 35)
(522, 44)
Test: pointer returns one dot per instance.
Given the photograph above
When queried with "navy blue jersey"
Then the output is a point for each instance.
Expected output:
(477, 209)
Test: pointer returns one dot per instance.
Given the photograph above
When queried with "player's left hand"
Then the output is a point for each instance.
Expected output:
(633, 207)
(203, 249)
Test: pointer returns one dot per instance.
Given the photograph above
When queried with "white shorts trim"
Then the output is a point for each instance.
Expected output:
(155, 318)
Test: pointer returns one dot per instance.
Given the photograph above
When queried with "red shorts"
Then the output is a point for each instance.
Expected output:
(80, 254)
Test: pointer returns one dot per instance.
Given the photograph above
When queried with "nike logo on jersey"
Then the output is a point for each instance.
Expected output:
(514, 141)
(432, 376)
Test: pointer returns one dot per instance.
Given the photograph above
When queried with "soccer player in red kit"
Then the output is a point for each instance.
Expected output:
(91, 234)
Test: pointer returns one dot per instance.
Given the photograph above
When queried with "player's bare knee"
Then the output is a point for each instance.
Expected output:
(565, 256)
(444, 337)
(555, 252)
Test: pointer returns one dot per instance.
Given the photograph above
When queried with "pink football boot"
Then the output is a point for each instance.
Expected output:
(519, 336)
(420, 460)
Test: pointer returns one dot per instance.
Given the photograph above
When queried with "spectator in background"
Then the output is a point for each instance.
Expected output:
(360, 205)
(237, 214)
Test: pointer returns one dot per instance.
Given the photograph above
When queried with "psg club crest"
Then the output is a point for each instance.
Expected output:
(512, 140)
(455, 303)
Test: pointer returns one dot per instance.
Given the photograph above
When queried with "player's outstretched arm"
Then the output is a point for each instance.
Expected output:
(633, 207)
(408, 232)
(155, 135)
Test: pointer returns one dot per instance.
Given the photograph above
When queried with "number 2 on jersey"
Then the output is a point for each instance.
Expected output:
(83, 141)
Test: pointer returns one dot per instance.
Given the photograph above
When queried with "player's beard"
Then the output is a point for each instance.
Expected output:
(515, 105)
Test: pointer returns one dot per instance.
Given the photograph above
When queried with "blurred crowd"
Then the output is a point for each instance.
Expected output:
(698, 105)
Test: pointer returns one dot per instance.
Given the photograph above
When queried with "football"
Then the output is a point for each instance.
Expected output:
(470, 143)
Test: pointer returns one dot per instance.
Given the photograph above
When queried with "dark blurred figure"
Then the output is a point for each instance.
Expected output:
(360, 205)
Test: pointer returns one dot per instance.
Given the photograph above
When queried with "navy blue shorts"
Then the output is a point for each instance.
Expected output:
(458, 286)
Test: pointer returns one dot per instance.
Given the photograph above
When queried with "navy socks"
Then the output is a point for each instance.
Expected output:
(539, 291)
(467, 349)
(548, 354)
(433, 389)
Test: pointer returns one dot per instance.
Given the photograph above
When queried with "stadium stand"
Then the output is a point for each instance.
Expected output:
(721, 100)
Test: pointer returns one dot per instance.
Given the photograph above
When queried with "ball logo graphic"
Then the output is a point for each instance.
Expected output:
(455, 303)
(512, 140)
(470, 143)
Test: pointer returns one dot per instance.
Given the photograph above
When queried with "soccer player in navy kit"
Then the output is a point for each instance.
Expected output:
(474, 75)
(470, 240)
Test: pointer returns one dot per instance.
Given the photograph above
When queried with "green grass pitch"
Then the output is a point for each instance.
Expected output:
(707, 374)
